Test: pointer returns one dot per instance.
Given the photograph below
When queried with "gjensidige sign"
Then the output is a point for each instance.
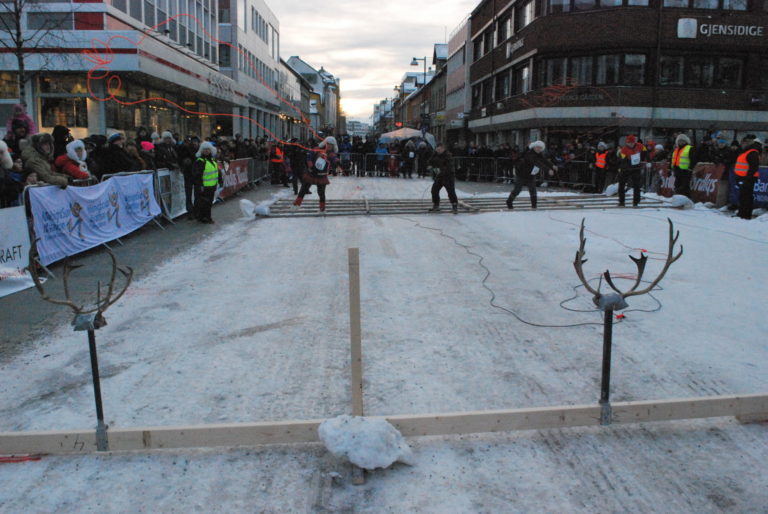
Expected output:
(690, 28)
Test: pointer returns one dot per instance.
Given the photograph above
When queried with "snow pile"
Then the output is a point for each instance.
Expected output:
(681, 201)
(250, 209)
(612, 190)
(366, 442)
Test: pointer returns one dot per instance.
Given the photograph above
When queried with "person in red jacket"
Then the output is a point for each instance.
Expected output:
(73, 163)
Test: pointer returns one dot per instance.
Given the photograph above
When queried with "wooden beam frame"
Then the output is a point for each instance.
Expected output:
(751, 408)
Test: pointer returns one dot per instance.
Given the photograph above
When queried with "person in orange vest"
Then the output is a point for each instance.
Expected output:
(602, 160)
(747, 170)
(682, 165)
(631, 157)
(276, 164)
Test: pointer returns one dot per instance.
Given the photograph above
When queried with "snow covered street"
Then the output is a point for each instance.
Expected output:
(252, 325)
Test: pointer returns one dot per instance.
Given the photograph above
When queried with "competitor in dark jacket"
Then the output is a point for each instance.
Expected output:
(528, 169)
(631, 157)
(441, 164)
(320, 162)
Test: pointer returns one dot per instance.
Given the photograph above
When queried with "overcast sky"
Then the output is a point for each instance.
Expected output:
(368, 45)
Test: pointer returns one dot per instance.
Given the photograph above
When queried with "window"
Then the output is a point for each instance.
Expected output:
(476, 96)
(634, 70)
(50, 21)
(70, 112)
(584, 5)
(521, 80)
(135, 8)
(699, 71)
(487, 41)
(503, 30)
(9, 85)
(242, 6)
(610, 3)
(729, 72)
(641, 3)
(607, 70)
(477, 49)
(676, 3)
(149, 14)
(581, 71)
(487, 92)
(525, 14)
(502, 86)
(735, 5)
(89, 21)
(706, 4)
(553, 71)
(671, 71)
(120, 4)
(558, 6)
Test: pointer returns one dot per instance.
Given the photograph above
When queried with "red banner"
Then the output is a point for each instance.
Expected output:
(667, 187)
(706, 182)
(235, 177)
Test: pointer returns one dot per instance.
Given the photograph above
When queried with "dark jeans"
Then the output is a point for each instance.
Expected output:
(682, 182)
(205, 203)
(191, 192)
(746, 197)
(635, 178)
(320, 190)
(449, 185)
(520, 181)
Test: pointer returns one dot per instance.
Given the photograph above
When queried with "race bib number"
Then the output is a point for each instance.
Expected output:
(320, 164)
(635, 159)
(535, 170)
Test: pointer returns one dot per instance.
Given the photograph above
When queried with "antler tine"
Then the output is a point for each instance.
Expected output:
(671, 258)
(128, 274)
(39, 285)
(608, 279)
(111, 286)
(579, 261)
(640, 263)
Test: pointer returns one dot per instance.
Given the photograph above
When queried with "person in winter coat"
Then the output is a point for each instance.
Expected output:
(20, 113)
(631, 157)
(19, 132)
(409, 158)
(206, 170)
(187, 155)
(320, 161)
(165, 153)
(747, 171)
(441, 164)
(73, 163)
(61, 138)
(683, 163)
(95, 146)
(527, 171)
(147, 155)
(37, 159)
(117, 159)
(10, 180)
(142, 134)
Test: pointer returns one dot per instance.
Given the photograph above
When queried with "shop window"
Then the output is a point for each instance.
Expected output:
(729, 72)
(607, 70)
(502, 86)
(706, 4)
(558, 6)
(581, 71)
(71, 84)
(584, 5)
(89, 21)
(736, 5)
(553, 71)
(9, 85)
(699, 71)
(50, 21)
(671, 71)
(634, 70)
(70, 112)
(521, 80)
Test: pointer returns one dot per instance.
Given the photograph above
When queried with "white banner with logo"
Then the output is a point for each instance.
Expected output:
(171, 183)
(14, 251)
(72, 220)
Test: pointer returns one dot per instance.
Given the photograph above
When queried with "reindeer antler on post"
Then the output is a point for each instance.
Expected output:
(616, 301)
(88, 318)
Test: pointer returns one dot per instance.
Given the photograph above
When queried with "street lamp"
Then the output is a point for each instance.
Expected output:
(415, 62)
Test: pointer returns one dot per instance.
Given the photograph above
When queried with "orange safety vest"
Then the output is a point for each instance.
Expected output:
(278, 155)
(742, 165)
(601, 159)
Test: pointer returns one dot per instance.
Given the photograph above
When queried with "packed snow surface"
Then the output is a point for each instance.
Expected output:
(368, 443)
(252, 325)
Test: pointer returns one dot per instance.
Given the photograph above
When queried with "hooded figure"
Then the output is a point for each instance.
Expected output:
(206, 171)
(142, 134)
(683, 163)
(116, 158)
(19, 132)
(165, 153)
(73, 162)
(20, 114)
(37, 159)
(61, 138)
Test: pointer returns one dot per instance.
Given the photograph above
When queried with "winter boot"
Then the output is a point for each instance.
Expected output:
(322, 206)
(298, 200)
(435, 208)
(455, 208)
(509, 204)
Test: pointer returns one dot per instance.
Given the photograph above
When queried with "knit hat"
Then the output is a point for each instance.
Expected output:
(169, 136)
(631, 139)
(115, 137)
(147, 146)
(537, 144)
(659, 148)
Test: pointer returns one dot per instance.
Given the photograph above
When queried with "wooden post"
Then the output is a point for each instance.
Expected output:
(355, 331)
(355, 336)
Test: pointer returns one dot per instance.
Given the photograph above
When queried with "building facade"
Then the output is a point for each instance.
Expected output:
(325, 95)
(295, 90)
(563, 69)
(457, 91)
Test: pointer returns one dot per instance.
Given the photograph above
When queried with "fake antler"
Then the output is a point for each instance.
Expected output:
(101, 305)
(639, 262)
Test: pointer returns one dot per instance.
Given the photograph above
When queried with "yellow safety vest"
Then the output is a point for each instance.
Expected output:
(210, 173)
(682, 157)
